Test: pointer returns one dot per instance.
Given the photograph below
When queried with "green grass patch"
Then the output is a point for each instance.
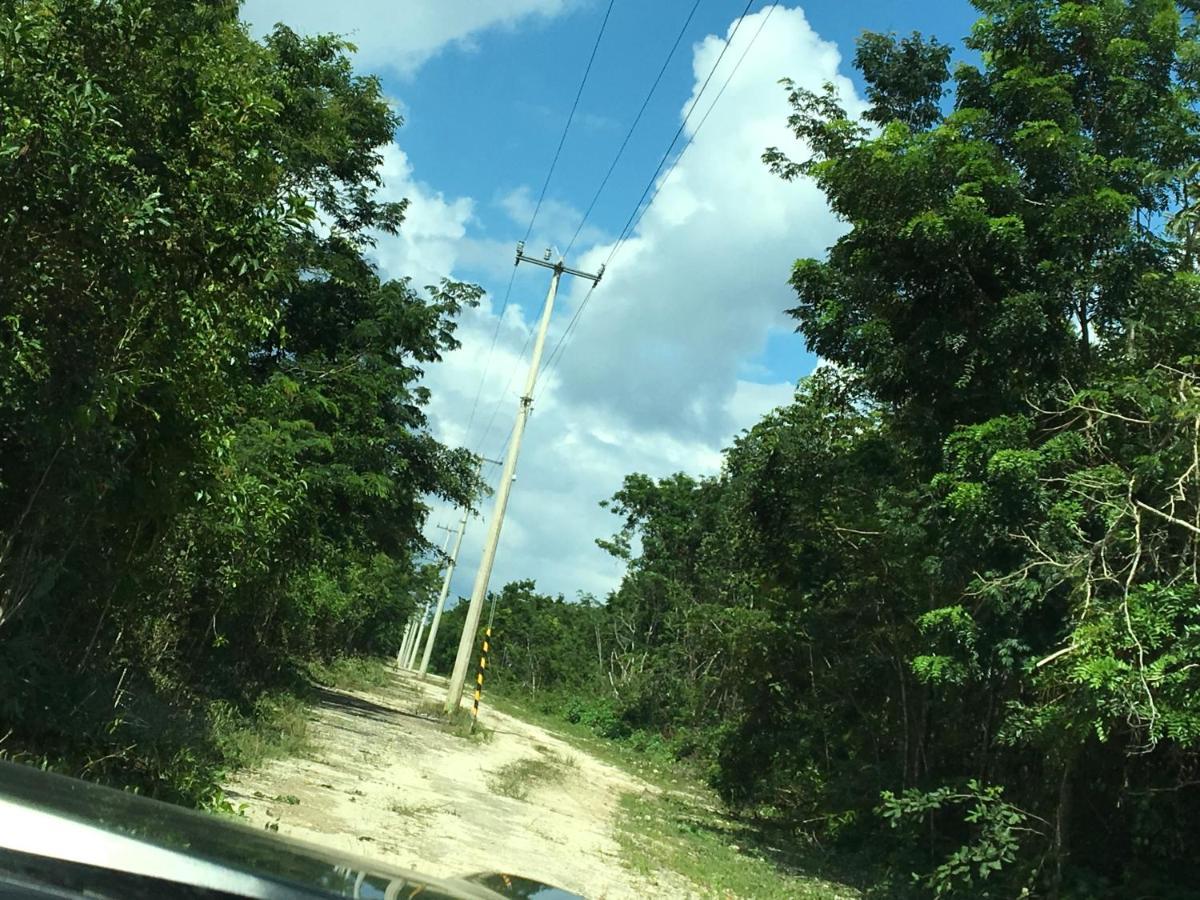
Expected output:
(430, 709)
(461, 724)
(678, 833)
(686, 828)
(352, 673)
(276, 726)
(464, 725)
(289, 799)
(516, 779)
(643, 755)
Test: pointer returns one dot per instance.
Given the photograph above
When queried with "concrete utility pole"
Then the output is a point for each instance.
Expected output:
(466, 643)
(411, 659)
(416, 641)
(441, 603)
(403, 651)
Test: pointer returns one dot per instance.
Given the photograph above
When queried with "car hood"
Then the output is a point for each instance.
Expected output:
(52, 827)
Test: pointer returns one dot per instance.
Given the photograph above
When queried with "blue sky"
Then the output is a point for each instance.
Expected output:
(685, 343)
(501, 104)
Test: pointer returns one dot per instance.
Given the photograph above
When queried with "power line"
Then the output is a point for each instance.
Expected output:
(599, 190)
(633, 126)
(700, 124)
(570, 117)
(529, 229)
(640, 210)
(682, 126)
(507, 387)
(561, 343)
(488, 360)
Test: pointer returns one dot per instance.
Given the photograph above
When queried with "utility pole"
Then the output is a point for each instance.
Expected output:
(466, 643)
(441, 603)
(416, 625)
(400, 654)
(411, 660)
(412, 648)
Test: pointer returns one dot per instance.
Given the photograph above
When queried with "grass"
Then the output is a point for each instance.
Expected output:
(289, 799)
(668, 831)
(411, 810)
(655, 766)
(277, 727)
(516, 779)
(352, 673)
(459, 725)
(277, 724)
(683, 827)
(430, 709)
(462, 726)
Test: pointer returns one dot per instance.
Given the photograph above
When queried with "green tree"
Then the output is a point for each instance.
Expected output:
(215, 460)
(958, 572)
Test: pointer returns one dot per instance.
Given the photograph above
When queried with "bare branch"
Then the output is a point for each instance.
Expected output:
(1158, 512)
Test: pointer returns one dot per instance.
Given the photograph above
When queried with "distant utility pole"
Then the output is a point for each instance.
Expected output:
(441, 603)
(400, 654)
(466, 643)
(418, 621)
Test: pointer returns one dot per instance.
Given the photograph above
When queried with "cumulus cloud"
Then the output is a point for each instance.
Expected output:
(399, 36)
(697, 290)
(428, 246)
(654, 379)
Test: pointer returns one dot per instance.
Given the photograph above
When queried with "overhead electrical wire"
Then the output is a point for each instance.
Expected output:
(595, 197)
(633, 125)
(591, 205)
(570, 118)
(488, 359)
(532, 219)
(700, 124)
(507, 387)
(682, 125)
(640, 209)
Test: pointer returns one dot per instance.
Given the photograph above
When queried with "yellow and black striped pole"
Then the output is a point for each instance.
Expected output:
(487, 637)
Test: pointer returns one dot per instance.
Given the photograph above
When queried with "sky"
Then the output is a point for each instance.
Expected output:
(685, 342)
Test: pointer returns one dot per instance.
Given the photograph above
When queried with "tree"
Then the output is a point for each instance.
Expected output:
(1005, 244)
(951, 587)
(215, 460)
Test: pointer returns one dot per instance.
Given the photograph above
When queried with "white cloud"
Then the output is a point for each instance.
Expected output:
(398, 35)
(654, 378)
(427, 248)
(696, 291)
(555, 220)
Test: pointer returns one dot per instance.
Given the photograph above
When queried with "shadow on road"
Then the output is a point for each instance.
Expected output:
(359, 706)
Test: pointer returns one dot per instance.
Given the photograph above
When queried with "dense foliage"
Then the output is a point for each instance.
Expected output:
(212, 446)
(947, 602)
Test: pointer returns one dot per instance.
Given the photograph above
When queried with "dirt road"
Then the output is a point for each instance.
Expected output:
(385, 779)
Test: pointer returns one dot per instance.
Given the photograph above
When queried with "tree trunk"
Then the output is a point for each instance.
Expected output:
(1061, 826)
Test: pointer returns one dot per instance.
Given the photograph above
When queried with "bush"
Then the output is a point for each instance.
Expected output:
(598, 714)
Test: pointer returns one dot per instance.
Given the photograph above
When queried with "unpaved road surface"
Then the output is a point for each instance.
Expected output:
(385, 779)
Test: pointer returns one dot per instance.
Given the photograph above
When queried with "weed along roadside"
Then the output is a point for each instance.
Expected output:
(672, 822)
(546, 771)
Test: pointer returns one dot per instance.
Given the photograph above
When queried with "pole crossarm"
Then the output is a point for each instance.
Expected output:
(560, 267)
